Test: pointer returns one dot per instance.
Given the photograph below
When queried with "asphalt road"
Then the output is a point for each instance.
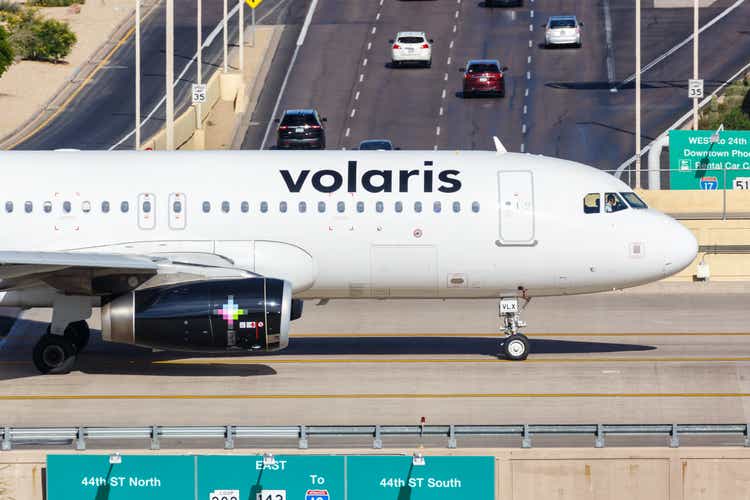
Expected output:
(104, 112)
(559, 101)
(651, 355)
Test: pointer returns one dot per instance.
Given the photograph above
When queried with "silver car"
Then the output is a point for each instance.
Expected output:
(562, 30)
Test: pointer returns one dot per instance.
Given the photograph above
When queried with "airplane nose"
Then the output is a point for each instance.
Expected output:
(682, 248)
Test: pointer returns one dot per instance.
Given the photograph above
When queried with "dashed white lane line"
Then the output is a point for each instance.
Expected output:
(347, 132)
(531, 14)
(354, 112)
(374, 29)
(523, 129)
(356, 96)
(531, 43)
(448, 61)
(369, 45)
(361, 76)
(455, 27)
(381, 3)
(528, 60)
(526, 93)
(523, 147)
(443, 95)
(435, 147)
(445, 77)
(456, 14)
(437, 130)
(377, 16)
(528, 75)
(441, 111)
(524, 109)
(364, 62)
(450, 46)
(531, 27)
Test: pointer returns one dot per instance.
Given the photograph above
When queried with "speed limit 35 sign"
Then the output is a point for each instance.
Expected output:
(695, 89)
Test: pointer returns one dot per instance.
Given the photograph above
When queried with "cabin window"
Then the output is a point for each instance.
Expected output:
(177, 207)
(225, 207)
(634, 200)
(282, 207)
(9, 206)
(86, 207)
(67, 207)
(591, 203)
(475, 207)
(321, 206)
(244, 207)
(28, 207)
(379, 207)
(124, 207)
(302, 207)
(105, 207)
(47, 207)
(456, 206)
(360, 206)
(399, 207)
(613, 203)
(264, 207)
(206, 207)
(146, 206)
(340, 207)
(437, 207)
(418, 207)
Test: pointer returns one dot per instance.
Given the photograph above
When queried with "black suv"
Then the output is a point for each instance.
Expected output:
(301, 128)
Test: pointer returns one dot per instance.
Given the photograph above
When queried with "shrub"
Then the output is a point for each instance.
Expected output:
(54, 3)
(54, 40)
(736, 119)
(6, 51)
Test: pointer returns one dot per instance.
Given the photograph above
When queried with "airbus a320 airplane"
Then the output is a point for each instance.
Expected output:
(213, 251)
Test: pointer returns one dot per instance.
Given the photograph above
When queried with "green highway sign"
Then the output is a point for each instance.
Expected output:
(440, 478)
(93, 477)
(697, 163)
(308, 477)
(281, 477)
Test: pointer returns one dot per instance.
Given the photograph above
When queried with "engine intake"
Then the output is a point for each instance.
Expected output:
(212, 315)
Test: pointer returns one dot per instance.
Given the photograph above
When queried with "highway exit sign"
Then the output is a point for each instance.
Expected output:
(253, 3)
(695, 162)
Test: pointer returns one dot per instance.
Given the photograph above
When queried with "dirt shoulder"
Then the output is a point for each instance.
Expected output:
(29, 85)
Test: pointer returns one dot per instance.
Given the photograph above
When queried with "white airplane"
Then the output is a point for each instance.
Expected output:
(214, 250)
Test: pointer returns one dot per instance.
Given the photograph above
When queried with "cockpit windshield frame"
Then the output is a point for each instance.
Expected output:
(634, 200)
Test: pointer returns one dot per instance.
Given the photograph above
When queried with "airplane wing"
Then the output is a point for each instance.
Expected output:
(82, 273)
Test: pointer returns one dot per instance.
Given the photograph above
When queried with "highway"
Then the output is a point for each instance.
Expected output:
(559, 101)
(649, 355)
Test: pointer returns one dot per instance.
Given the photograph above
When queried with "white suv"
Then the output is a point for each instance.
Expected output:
(411, 47)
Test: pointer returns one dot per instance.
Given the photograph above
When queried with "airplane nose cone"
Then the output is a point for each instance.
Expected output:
(682, 248)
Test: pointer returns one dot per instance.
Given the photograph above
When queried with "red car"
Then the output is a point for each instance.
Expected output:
(484, 76)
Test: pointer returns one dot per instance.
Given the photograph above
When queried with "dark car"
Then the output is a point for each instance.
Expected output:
(503, 3)
(301, 128)
(376, 145)
(484, 76)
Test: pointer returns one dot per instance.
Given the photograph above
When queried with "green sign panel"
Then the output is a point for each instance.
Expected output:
(93, 477)
(440, 478)
(697, 163)
(248, 477)
(288, 478)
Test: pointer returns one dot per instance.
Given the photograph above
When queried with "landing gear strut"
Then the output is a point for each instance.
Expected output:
(515, 345)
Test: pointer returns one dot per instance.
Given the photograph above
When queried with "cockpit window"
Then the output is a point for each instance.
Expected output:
(613, 203)
(592, 203)
(634, 200)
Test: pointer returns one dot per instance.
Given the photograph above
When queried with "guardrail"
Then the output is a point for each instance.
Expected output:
(46, 436)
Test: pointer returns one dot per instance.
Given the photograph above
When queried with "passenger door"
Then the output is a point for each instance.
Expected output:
(516, 207)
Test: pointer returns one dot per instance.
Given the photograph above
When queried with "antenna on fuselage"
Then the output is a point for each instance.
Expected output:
(499, 148)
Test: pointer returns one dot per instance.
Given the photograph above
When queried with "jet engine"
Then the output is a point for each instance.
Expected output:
(213, 315)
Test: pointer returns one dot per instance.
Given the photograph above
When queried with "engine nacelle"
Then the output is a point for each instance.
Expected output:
(213, 315)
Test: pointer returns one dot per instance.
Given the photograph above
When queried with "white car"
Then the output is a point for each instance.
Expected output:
(562, 30)
(411, 47)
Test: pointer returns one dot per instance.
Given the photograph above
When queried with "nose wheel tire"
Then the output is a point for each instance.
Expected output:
(516, 347)
(54, 354)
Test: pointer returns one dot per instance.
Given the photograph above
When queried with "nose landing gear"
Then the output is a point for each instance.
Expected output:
(515, 345)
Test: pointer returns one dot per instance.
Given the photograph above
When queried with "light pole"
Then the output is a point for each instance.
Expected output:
(199, 64)
(695, 61)
(137, 75)
(170, 75)
(226, 41)
(242, 35)
(638, 94)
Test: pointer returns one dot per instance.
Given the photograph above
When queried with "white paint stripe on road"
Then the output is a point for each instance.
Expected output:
(523, 129)
(356, 96)
(456, 15)
(377, 17)
(683, 43)
(207, 42)
(361, 76)
(437, 130)
(608, 38)
(445, 77)
(347, 132)
(528, 75)
(528, 60)
(455, 28)
(435, 147)
(531, 43)
(369, 45)
(443, 95)
(441, 111)
(523, 147)
(354, 112)
(364, 62)
(448, 61)
(450, 46)
(526, 93)
(531, 27)
(525, 109)
(374, 29)
(531, 13)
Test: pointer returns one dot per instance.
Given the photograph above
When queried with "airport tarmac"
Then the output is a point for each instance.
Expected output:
(664, 353)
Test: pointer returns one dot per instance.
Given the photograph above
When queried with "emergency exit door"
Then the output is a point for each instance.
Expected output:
(516, 207)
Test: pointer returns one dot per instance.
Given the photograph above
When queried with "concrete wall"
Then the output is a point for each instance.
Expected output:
(533, 474)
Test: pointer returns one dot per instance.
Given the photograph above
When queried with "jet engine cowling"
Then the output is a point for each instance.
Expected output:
(251, 314)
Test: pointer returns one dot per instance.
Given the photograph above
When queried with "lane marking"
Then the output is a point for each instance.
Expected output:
(531, 43)
(347, 132)
(528, 60)
(523, 129)
(485, 359)
(354, 112)
(525, 109)
(443, 94)
(455, 28)
(377, 17)
(531, 27)
(528, 75)
(374, 29)
(356, 96)
(682, 43)
(364, 62)
(369, 45)
(450, 45)
(437, 130)
(448, 61)
(523, 147)
(554, 334)
(395, 395)
(456, 16)
(531, 13)
(445, 77)
(435, 147)
(526, 93)
(361, 76)
(441, 111)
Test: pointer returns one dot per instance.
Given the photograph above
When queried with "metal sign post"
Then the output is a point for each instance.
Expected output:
(137, 75)
(242, 36)
(253, 5)
(170, 75)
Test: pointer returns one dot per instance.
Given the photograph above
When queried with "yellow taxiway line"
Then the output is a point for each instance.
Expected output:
(450, 395)
(538, 359)
(531, 335)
